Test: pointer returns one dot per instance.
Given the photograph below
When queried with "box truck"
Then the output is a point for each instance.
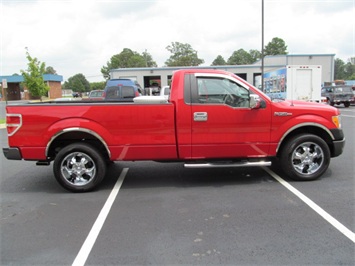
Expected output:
(294, 82)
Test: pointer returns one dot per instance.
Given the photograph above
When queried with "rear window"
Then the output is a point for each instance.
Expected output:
(112, 93)
(128, 92)
(120, 92)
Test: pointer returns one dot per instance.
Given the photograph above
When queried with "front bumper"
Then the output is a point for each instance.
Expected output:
(12, 153)
(338, 142)
(338, 147)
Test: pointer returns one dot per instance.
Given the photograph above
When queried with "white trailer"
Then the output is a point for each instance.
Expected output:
(294, 82)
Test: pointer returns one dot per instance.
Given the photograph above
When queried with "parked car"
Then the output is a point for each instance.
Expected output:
(96, 95)
(339, 94)
(122, 90)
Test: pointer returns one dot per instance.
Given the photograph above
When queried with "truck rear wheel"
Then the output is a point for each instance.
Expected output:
(305, 157)
(79, 167)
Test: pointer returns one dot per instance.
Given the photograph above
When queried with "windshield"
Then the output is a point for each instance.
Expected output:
(343, 89)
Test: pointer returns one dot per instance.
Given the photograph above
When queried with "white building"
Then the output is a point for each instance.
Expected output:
(251, 73)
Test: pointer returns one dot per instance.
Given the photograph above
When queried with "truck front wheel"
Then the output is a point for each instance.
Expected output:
(305, 157)
(79, 167)
(330, 102)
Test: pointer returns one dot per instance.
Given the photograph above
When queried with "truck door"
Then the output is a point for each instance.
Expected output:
(223, 125)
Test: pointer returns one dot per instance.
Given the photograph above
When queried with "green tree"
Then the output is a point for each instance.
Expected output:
(277, 46)
(344, 71)
(33, 77)
(339, 66)
(50, 70)
(255, 55)
(149, 59)
(219, 61)
(240, 57)
(349, 70)
(182, 55)
(97, 85)
(127, 58)
(77, 83)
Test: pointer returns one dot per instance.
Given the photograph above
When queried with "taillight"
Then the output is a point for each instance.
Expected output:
(13, 123)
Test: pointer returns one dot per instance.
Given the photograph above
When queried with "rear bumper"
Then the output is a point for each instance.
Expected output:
(12, 153)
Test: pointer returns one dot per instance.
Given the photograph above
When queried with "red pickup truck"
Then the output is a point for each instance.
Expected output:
(212, 118)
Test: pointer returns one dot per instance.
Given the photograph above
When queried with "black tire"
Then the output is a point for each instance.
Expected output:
(305, 157)
(347, 104)
(79, 167)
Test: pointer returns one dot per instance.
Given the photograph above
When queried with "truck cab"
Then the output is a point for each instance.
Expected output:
(220, 118)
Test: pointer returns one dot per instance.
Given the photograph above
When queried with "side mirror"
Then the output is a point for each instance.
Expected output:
(255, 101)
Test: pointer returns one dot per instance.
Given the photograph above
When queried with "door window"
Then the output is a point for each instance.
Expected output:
(220, 91)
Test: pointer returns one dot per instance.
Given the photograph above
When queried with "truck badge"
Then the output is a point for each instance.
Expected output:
(282, 114)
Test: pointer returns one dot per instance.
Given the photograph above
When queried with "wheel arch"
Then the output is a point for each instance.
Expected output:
(71, 135)
(306, 128)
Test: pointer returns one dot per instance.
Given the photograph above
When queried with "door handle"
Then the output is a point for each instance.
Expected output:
(200, 116)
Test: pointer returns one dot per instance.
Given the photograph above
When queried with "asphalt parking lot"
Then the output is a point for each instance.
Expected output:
(147, 213)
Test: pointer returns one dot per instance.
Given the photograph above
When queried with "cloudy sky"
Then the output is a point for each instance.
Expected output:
(75, 36)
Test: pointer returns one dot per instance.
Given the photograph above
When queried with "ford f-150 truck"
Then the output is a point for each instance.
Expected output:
(212, 118)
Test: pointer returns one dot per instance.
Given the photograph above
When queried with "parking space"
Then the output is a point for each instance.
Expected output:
(164, 214)
(237, 216)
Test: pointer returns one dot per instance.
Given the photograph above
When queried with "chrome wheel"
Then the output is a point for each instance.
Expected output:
(78, 168)
(307, 158)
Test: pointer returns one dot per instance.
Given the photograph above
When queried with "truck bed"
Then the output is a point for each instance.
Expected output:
(130, 131)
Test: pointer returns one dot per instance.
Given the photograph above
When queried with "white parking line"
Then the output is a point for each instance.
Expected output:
(95, 230)
(314, 206)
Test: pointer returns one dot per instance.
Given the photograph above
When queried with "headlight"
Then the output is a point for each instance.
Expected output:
(337, 121)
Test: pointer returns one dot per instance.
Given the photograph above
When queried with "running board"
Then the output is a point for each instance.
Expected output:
(226, 164)
(43, 163)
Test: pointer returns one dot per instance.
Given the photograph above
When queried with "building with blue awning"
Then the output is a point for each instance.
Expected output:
(14, 90)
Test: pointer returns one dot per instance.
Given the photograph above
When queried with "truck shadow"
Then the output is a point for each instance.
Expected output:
(29, 179)
(146, 174)
(153, 174)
